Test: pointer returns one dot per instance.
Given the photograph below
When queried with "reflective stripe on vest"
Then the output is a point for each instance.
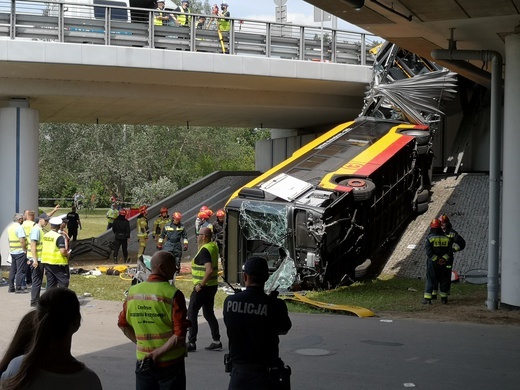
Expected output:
(149, 312)
(142, 227)
(182, 18)
(198, 271)
(50, 252)
(14, 241)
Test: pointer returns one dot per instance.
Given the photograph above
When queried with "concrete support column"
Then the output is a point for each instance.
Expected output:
(19, 133)
(510, 287)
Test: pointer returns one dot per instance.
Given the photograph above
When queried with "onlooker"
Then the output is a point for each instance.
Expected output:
(438, 248)
(73, 223)
(21, 340)
(160, 18)
(49, 364)
(201, 22)
(121, 229)
(112, 214)
(35, 257)
(212, 25)
(224, 24)
(253, 333)
(161, 339)
(17, 250)
(174, 239)
(158, 225)
(55, 255)
(181, 18)
(204, 270)
(143, 231)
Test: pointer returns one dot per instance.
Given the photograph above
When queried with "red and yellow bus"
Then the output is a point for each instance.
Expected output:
(320, 214)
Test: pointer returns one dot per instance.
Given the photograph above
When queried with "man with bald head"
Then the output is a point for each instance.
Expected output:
(154, 318)
(204, 269)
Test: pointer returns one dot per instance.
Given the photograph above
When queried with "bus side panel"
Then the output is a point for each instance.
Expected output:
(232, 267)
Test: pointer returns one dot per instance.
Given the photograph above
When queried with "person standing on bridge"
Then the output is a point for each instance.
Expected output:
(224, 24)
(181, 18)
(160, 18)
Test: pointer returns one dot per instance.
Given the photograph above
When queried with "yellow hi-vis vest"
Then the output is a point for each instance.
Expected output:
(39, 244)
(182, 18)
(27, 227)
(157, 21)
(15, 246)
(50, 252)
(149, 312)
(111, 215)
(198, 271)
(224, 24)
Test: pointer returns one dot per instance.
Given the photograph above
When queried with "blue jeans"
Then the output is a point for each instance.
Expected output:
(161, 378)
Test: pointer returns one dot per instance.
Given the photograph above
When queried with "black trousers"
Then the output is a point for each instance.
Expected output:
(57, 275)
(124, 247)
(204, 299)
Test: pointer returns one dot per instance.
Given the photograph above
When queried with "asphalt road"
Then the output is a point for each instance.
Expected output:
(324, 351)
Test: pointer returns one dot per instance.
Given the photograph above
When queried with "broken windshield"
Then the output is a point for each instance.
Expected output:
(265, 222)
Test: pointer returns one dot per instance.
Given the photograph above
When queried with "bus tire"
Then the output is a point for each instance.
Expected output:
(362, 189)
(422, 207)
(421, 137)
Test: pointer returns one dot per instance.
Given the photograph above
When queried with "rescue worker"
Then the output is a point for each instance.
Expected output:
(143, 231)
(36, 238)
(458, 244)
(438, 249)
(198, 221)
(158, 226)
(121, 230)
(218, 232)
(181, 18)
(174, 239)
(203, 221)
(204, 270)
(55, 255)
(18, 251)
(161, 339)
(160, 18)
(254, 320)
(224, 24)
(112, 214)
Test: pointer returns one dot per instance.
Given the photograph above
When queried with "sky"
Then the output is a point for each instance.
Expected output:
(298, 12)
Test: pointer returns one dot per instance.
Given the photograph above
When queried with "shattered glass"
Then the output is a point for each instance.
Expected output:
(283, 278)
(265, 222)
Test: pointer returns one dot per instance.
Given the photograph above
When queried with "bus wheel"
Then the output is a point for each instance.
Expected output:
(421, 137)
(363, 189)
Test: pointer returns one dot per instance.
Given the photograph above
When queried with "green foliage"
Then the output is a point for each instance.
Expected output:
(137, 164)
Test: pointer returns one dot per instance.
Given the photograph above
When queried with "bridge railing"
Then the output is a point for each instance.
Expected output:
(100, 24)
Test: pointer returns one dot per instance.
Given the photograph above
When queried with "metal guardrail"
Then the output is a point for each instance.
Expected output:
(99, 24)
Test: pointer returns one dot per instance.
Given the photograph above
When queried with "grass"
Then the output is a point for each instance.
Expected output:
(93, 222)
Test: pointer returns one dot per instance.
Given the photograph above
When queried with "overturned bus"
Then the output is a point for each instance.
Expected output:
(323, 212)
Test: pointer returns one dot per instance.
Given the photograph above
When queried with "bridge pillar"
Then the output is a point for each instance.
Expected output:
(510, 275)
(19, 140)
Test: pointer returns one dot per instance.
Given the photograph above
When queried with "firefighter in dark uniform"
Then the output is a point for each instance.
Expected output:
(174, 239)
(254, 320)
(438, 265)
(457, 244)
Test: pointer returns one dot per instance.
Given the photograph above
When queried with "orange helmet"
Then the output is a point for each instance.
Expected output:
(143, 209)
(209, 213)
(177, 215)
(444, 219)
(221, 213)
(164, 210)
(122, 212)
(435, 224)
(202, 215)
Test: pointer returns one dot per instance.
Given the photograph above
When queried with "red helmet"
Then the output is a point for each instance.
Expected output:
(209, 213)
(143, 209)
(435, 224)
(204, 208)
(177, 215)
(122, 212)
(164, 210)
(202, 215)
(221, 213)
(444, 219)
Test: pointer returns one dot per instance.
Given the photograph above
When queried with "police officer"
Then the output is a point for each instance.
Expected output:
(438, 249)
(174, 239)
(254, 320)
(55, 256)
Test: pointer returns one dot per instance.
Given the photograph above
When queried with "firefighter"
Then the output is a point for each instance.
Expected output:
(111, 215)
(218, 232)
(198, 221)
(174, 239)
(142, 230)
(158, 226)
(438, 265)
